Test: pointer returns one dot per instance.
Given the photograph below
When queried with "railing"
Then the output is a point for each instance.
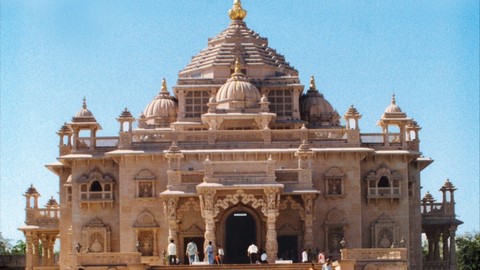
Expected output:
(239, 136)
(283, 135)
(42, 216)
(327, 135)
(110, 258)
(100, 142)
(373, 254)
(372, 138)
(430, 209)
(287, 175)
(383, 191)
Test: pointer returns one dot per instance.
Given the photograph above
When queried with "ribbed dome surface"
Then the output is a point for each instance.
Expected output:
(315, 109)
(393, 107)
(162, 110)
(84, 115)
(237, 90)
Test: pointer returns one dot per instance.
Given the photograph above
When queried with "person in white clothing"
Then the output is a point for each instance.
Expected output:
(304, 256)
(252, 253)
(327, 265)
(192, 250)
(172, 253)
(263, 256)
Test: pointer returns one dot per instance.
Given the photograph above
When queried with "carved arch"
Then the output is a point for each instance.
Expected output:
(240, 196)
(289, 201)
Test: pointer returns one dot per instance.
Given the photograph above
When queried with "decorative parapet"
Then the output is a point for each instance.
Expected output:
(130, 259)
(48, 217)
(375, 254)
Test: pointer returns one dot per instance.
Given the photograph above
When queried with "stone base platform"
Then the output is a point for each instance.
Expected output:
(293, 266)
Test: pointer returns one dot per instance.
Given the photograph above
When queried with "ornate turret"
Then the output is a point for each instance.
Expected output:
(237, 92)
(84, 120)
(162, 111)
(394, 116)
(316, 110)
(351, 117)
(31, 193)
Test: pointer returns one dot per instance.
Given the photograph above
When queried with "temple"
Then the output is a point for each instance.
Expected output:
(239, 152)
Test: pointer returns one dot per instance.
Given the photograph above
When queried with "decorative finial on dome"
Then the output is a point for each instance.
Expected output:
(237, 67)
(393, 99)
(84, 103)
(237, 12)
(312, 83)
(164, 87)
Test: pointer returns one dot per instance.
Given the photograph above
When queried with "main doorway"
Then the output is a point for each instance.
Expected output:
(288, 248)
(241, 232)
(199, 242)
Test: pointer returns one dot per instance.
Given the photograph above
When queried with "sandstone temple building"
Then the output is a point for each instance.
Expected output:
(240, 151)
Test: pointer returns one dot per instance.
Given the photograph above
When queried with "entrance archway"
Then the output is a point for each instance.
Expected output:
(240, 232)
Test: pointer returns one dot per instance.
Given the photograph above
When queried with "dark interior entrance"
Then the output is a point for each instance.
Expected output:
(199, 241)
(287, 248)
(240, 233)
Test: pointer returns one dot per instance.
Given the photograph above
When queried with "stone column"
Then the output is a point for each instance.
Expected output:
(308, 222)
(28, 251)
(35, 250)
(453, 250)
(207, 200)
(273, 201)
(445, 235)
(170, 208)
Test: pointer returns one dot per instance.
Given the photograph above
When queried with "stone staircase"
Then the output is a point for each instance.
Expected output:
(293, 266)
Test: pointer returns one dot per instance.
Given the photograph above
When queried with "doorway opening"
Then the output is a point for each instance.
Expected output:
(199, 242)
(241, 232)
(288, 247)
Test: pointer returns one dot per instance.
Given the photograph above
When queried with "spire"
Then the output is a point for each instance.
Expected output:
(393, 99)
(237, 70)
(164, 87)
(237, 12)
(312, 83)
(84, 103)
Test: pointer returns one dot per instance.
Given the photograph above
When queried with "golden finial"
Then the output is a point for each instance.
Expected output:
(393, 99)
(237, 67)
(164, 86)
(312, 83)
(84, 103)
(237, 12)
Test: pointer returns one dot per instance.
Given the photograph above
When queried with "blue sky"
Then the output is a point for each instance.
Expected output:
(115, 53)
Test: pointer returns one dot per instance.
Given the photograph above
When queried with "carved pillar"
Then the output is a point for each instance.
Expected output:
(28, 251)
(436, 246)
(453, 250)
(207, 197)
(35, 250)
(308, 225)
(273, 202)
(445, 235)
(170, 208)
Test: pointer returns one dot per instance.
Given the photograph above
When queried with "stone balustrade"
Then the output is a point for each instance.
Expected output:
(375, 254)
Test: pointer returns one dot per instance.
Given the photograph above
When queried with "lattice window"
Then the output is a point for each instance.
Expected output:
(281, 102)
(334, 183)
(145, 184)
(96, 188)
(196, 103)
(383, 184)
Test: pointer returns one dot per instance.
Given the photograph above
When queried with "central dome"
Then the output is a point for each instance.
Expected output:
(237, 92)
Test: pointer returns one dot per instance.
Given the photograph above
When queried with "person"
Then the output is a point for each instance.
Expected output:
(221, 254)
(172, 253)
(192, 250)
(327, 265)
(252, 253)
(321, 257)
(263, 256)
(304, 256)
(209, 251)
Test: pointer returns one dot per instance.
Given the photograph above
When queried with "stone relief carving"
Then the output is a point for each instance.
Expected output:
(145, 174)
(384, 232)
(289, 201)
(96, 236)
(145, 220)
(190, 204)
(170, 207)
(145, 243)
(240, 196)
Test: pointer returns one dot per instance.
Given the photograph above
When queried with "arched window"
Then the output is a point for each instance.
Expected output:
(95, 186)
(383, 182)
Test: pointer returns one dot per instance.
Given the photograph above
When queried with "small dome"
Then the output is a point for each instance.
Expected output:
(65, 129)
(448, 186)
(428, 197)
(32, 191)
(125, 114)
(393, 107)
(162, 110)
(84, 115)
(238, 89)
(52, 202)
(316, 110)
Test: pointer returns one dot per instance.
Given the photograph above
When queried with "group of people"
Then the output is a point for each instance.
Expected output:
(319, 257)
(192, 253)
(252, 252)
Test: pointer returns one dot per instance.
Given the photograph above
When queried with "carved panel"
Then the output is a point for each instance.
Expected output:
(384, 232)
(96, 236)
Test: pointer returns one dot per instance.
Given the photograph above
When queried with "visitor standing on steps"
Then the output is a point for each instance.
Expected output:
(252, 253)
(172, 253)
(209, 251)
(192, 250)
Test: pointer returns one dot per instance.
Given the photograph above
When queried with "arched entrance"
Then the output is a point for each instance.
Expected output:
(240, 232)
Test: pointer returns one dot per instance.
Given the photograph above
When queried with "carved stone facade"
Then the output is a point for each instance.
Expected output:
(237, 154)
